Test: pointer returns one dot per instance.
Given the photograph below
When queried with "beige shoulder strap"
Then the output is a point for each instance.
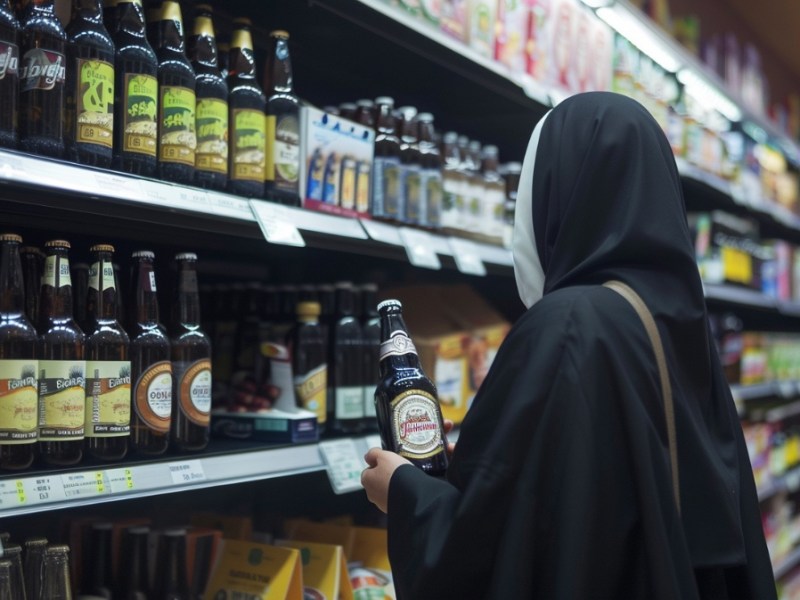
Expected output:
(666, 389)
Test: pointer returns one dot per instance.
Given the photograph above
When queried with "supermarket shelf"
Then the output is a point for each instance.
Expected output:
(742, 296)
(787, 564)
(743, 393)
(789, 481)
(37, 492)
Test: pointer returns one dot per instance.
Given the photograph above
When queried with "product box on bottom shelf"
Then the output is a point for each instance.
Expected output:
(325, 572)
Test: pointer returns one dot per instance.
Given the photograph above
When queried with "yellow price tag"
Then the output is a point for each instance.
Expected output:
(129, 479)
(21, 492)
(101, 487)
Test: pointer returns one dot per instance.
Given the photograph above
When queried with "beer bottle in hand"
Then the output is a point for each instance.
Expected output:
(191, 362)
(409, 414)
(62, 393)
(9, 75)
(108, 369)
(150, 363)
(18, 365)
(42, 76)
(89, 115)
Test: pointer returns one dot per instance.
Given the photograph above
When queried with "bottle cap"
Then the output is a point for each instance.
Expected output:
(308, 309)
(387, 100)
(389, 304)
(186, 256)
(280, 33)
(102, 248)
(365, 102)
(451, 137)
(10, 237)
(512, 168)
(57, 549)
(11, 549)
(425, 117)
(369, 287)
(489, 151)
(408, 112)
(242, 21)
(57, 244)
(143, 254)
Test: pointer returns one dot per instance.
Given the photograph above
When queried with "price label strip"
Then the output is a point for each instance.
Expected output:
(187, 472)
(467, 258)
(419, 248)
(84, 485)
(276, 224)
(13, 494)
(343, 463)
(120, 481)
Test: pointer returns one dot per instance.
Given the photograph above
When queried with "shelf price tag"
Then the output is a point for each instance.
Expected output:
(120, 480)
(344, 464)
(119, 186)
(382, 232)
(12, 493)
(419, 248)
(83, 485)
(41, 490)
(467, 258)
(185, 472)
(224, 205)
(276, 224)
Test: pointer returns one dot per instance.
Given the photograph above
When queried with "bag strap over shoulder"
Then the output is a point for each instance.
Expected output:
(663, 373)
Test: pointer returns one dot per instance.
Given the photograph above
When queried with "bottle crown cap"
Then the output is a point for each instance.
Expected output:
(102, 248)
(242, 21)
(451, 137)
(387, 100)
(365, 102)
(425, 117)
(57, 549)
(392, 303)
(186, 256)
(143, 254)
(512, 167)
(344, 285)
(10, 237)
(279, 33)
(57, 244)
(309, 309)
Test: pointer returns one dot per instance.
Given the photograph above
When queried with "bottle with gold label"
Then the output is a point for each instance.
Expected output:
(18, 365)
(108, 368)
(247, 122)
(309, 361)
(151, 369)
(9, 75)
(62, 391)
(211, 157)
(283, 124)
(177, 140)
(135, 92)
(191, 361)
(89, 111)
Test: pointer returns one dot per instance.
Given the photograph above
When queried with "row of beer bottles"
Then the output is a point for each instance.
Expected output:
(68, 392)
(37, 569)
(117, 90)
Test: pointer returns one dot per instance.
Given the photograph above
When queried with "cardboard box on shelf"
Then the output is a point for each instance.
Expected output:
(252, 570)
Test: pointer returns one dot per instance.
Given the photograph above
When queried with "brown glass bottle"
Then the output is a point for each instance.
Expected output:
(410, 211)
(346, 396)
(18, 365)
(89, 104)
(247, 104)
(108, 368)
(33, 562)
(365, 113)
(283, 124)
(5, 579)
(151, 369)
(9, 75)
(136, 93)
(191, 361)
(494, 193)
(409, 415)
(171, 579)
(97, 577)
(41, 79)
(13, 554)
(62, 392)
(32, 263)
(133, 580)
(386, 164)
(309, 362)
(223, 52)
(211, 157)
(430, 175)
(110, 15)
(79, 272)
(177, 139)
(56, 583)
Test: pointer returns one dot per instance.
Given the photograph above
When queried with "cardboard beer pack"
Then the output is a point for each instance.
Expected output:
(325, 575)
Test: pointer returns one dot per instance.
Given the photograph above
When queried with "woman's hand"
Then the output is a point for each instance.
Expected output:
(381, 465)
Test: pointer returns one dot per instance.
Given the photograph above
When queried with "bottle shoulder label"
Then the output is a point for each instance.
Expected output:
(398, 344)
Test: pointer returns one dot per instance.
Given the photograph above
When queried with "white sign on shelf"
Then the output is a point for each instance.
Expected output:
(276, 224)
(419, 248)
(382, 232)
(12, 494)
(344, 464)
(84, 485)
(44, 489)
(120, 480)
(185, 472)
(467, 258)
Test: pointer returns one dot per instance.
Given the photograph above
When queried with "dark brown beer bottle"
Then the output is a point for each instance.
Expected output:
(9, 75)
(223, 52)
(171, 578)
(247, 104)
(32, 263)
(13, 554)
(79, 272)
(89, 115)
(33, 562)
(430, 175)
(494, 193)
(409, 414)
(110, 15)
(511, 173)
(62, 392)
(346, 405)
(211, 157)
(151, 369)
(97, 576)
(410, 209)
(371, 342)
(386, 165)
(133, 581)
(191, 362)
(177, 140)
(136, 93)
(283, 124)
(18, 366)
(56, 583)
(42, 76)
(309, 362)
(108, 368)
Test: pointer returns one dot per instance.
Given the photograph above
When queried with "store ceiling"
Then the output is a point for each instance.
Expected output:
(776, 23)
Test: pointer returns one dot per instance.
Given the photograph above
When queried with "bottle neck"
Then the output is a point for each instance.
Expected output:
(88, 10)
(56, 297)
(241, 61)
(397, 351)
(41, 8)
(130, 18)
(55, 577)
(145, 304)
(101, 302)
(186, 308)
(279, 68)
(203, 45)
(385, 122)
(170, 34)
(12, 287)
(345, 303)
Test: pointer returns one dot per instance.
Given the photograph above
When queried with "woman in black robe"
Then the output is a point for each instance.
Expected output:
(560, 484)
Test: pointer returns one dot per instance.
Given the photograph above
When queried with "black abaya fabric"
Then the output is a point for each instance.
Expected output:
(560, 483)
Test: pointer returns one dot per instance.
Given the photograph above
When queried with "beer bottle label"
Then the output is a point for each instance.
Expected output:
(95, 103)
(9, 59)
(330, 182)
(42, 70)
(349, 402)
(108, 398)
(176, 125)
(362, 188)
(415, 424)
(62, 400)
(107, 281)
(152, 396)
(348, 191)
(397, 345)
(432, 205)
(194, 389)
(452, 201)
(249, 145)
(49, 277)
(311, 391)
(386, 190)
(283, 152)
(412, 185)
(141, 109)
(212, 135)
(19, 402)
